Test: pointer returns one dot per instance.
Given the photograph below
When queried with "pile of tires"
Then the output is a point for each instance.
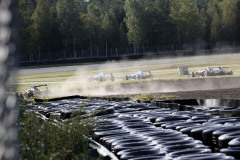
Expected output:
(155, 130)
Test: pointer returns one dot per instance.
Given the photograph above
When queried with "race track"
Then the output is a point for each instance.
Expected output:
(124, 63)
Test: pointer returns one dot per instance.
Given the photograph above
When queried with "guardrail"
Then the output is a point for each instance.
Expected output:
(102, 150)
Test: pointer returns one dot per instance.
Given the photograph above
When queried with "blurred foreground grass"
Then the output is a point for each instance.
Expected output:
(43, 138)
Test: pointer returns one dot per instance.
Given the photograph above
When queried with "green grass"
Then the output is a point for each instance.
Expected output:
(53, 138)
(154, 96)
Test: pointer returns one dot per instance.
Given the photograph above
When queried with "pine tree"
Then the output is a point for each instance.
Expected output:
(41, 26)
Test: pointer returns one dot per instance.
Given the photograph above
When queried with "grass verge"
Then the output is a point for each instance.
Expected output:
(163, 71)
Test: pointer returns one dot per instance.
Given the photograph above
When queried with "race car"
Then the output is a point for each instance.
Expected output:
(138, 75)
(211, 71)
(208, 71)
(102, 77)
(34, 91)
(223, 70)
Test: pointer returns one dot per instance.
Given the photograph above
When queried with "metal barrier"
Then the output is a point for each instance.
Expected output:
(103, 151)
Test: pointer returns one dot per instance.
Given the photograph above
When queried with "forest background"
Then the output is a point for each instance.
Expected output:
(64, 26)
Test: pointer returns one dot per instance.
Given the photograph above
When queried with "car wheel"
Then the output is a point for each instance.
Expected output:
(191, 74)
(112, 78)
(206, 74)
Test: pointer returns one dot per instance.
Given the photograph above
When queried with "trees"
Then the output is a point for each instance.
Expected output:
(214, 15)
(229, 19)
(93, 19)
(223, 17)
(163, 30)
(186, 16)
(26, 9)
(71, 25)
(135, 21)
(41, 27)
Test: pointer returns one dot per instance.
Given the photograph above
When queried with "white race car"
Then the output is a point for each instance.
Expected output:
(212, 71)
(138, 75)
(34, 91)
(102, 77)
(223, 70)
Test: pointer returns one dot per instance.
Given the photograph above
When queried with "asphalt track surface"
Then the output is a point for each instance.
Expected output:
(124, 63)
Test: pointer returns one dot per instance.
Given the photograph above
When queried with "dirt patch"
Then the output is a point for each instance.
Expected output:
(165, 86)
(203, 88)
(233, 93)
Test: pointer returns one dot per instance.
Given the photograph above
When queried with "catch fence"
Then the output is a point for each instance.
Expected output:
(161, 50)
(8, 109)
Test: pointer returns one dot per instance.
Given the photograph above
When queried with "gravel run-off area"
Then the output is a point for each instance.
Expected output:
(203, 88)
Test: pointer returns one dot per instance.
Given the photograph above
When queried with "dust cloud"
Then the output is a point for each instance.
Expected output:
(79, 84)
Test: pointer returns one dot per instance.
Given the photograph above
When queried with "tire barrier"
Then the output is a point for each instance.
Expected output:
(225, 138)
(233, 148)
(154, 129)
(136, 153)
(234, 143)
(208, 156)
(188, 151)
(216, 134)
(234, 152)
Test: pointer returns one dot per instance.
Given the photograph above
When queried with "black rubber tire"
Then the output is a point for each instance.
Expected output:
(106, 111)
(225, 138)
(140, 148)
(220, 132)
(231, 152)
(179, 147)
(187, 130)
(136, 154)
(207, 136)
(121, 147)
(179, 142)
(197, 133)
(234, 143)
(188, 151)
(127, 141)
(98, 135)
(108, 140)
(206, 156)
(152, 157)
(170, 118)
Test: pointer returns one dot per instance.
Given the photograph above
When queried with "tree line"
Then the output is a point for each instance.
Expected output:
(71, 25)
